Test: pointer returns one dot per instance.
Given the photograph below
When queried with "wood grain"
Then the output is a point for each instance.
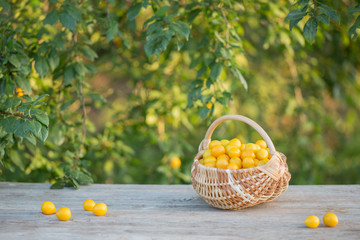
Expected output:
(174, 212)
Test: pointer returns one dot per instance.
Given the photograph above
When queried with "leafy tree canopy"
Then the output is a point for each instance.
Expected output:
(111, 91)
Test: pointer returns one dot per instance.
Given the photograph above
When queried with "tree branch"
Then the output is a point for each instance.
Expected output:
(16, 115)
(107, 10)
(227, 27)
(84, 130)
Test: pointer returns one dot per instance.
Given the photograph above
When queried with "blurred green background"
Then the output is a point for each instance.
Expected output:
(145, 109)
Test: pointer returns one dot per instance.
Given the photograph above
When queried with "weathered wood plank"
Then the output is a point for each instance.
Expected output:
(174, 212)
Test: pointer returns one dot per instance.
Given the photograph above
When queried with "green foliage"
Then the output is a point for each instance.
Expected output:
(352, 30)
(22, 119)
(118, 88)
(310, 29)
(318, 11)
(160, 30)
(73, 177)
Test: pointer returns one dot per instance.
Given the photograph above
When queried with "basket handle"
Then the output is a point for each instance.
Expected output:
(205, 143)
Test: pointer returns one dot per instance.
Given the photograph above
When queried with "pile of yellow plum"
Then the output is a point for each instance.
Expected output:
(233, 154)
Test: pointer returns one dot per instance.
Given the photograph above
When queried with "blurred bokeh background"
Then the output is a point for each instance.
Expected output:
(306, 96)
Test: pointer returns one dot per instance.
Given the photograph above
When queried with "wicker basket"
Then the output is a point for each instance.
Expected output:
(241, 188)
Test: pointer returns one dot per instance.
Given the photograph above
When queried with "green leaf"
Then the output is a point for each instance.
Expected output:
(41, 116)
(216, 70)
(41, 66)
(9, 86)
(14, 61)
(125, 41)
(204, 112)
(148, 21)
(38, 99)
(57, 134)
(296, 14)
(35, 127)
(196, 83)
(206, 98)
(162, 11)
(113, 30)
(190, 102)
(155, 27)
(68, 21)
(194, 95)
(209, 82)
(310, 29)
(302, 3)
(80, 70)
(323, 18)
(134, 11)
(201, 71)
(194, 62)
(217, 35)
(42, 134)
(228, 95)
(180, 28)
(74, 12)
(97, 97)
(74, 182)
(53, 59)
(69, 154)
(8, 124)
(193, 14)
(328, 11)
(84, 179)
(12, 102)
(51, 18)
(16, 159)
(91, 68)
(23, 83)
(208, 58)
(353, 9)
(158, 42)
(352, 31)
(66, 105)
(22, 128)
(58, 185)
(88, 52)
(225, 53)
(179, 44)
(238, 74)
(235, 35)
(31, 140)
(293, 23)
(68, 75)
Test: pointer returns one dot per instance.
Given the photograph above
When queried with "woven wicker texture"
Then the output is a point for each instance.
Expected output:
(237, 189)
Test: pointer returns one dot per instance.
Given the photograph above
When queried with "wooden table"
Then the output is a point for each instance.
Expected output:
(174, 212)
